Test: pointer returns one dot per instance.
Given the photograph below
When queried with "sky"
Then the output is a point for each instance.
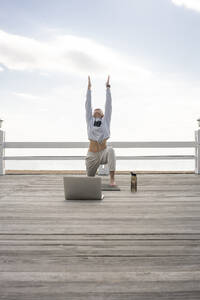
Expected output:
(150, 49)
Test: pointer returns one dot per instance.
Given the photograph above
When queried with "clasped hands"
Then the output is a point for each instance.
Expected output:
(90, 85)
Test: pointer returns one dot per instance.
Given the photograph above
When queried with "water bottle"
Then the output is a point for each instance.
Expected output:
(133, 182)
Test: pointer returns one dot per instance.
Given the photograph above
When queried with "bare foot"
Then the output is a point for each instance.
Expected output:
(112, 183)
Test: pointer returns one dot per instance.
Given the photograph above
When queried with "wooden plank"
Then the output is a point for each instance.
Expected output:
(62, 292)
(59, 283)
(124, 248)
(40, 261)
(83, 172)
(128, 157)
(81, 237)
(116, 144)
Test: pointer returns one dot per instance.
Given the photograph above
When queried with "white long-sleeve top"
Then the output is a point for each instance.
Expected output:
(98, 133)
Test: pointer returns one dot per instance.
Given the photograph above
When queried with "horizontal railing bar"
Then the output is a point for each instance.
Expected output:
(160, 157)
(164, 144)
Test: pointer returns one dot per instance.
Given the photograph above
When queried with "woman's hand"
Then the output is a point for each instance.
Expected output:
(108, 82)
(89, 83)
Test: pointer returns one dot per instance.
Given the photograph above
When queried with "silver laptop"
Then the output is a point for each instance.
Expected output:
(82, 188)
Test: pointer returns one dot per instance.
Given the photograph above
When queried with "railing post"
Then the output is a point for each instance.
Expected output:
(2, 151)
(197, 149)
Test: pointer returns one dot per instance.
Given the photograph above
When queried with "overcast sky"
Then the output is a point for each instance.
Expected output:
(150, 48)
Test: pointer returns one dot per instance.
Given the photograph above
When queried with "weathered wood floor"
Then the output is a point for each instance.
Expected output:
(143, 245)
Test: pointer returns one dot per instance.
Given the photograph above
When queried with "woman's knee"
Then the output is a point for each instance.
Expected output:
(90, 173)
(91, 168)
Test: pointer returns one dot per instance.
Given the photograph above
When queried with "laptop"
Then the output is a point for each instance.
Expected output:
(82, 188)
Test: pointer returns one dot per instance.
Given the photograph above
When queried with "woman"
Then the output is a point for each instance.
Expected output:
(98, 129)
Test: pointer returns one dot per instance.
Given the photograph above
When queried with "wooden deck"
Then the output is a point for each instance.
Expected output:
(143, 245)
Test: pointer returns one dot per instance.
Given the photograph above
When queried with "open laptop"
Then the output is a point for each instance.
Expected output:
(82, 188)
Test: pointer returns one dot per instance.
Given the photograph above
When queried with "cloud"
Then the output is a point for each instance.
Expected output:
(1, 69)
(190, 4)
(84, 61)
(144, 100)
(65, 53)
(28, 96)
(25, 100)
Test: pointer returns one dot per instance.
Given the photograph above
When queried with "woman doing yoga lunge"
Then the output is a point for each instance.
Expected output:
(98, 129)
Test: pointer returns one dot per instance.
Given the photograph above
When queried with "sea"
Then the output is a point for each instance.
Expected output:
(121, 165)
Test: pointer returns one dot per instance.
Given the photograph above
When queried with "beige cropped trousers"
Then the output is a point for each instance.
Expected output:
(94, 159)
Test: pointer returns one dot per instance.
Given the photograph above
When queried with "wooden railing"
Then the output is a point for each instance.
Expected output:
(73, 145)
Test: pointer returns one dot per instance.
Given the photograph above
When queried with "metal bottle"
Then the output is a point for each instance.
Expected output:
(133, 182)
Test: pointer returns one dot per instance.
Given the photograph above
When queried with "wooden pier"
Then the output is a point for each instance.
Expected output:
(143, 245)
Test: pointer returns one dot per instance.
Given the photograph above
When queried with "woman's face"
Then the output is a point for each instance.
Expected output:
(98, 113)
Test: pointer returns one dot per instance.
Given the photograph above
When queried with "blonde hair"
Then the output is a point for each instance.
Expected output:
(100, 111)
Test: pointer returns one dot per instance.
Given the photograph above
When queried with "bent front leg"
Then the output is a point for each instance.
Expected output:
(92, 163)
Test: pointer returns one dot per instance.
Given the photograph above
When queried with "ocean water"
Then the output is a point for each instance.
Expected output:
(153, 165)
